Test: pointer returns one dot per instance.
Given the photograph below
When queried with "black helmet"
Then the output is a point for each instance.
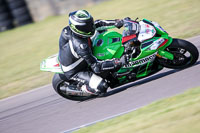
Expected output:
(81, 23)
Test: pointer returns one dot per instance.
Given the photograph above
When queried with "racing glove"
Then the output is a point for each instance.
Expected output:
(101, 66)
(119, 23)
(115, 63)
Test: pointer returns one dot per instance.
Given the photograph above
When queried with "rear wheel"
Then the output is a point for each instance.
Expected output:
(58, 82)
(185, 55)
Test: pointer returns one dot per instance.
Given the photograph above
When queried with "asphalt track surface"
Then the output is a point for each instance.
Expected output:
(42, 110)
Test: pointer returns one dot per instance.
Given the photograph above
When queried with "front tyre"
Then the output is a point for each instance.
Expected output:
(185, 55)
(58, 81)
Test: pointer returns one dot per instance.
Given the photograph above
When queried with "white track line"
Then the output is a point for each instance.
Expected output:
(104, 119)
(24, 93)
(113, 116)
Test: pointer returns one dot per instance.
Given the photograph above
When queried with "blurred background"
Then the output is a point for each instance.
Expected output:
(15, 13)
(30, 31)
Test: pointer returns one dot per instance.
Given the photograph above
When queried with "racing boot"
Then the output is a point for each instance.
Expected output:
(89, 90)
(100, 90)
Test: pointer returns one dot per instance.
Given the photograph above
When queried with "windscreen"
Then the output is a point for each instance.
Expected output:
(130, 27)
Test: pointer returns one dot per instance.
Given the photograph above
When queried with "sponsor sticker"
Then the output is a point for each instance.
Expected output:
(141, 61)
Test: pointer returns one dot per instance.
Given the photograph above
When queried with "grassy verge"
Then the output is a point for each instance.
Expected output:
(179, 114)
(23, 49)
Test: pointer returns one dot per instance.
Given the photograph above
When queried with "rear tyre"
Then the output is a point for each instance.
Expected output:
(185, 55)
(58, 81)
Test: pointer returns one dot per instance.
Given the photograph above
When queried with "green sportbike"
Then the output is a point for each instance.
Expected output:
(148, 47)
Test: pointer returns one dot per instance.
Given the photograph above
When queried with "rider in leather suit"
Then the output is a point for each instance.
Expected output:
(75, 52)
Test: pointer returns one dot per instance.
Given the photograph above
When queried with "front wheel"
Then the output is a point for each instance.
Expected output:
(58, 82)
(185, 54)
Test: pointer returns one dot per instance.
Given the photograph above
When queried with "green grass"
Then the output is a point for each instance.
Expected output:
(178, 114)
(23, 48)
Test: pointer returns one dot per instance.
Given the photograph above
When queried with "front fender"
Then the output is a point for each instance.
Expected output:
(162, 52)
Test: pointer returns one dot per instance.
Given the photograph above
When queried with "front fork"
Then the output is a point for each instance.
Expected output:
(162, 53)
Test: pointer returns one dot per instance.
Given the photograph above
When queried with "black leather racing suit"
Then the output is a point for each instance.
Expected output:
(75, 55)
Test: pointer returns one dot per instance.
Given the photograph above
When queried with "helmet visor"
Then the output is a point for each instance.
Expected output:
(87, 29)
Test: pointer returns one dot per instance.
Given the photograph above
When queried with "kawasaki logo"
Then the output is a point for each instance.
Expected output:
(141, 61)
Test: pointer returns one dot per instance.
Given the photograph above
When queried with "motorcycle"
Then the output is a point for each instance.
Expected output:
(153, 50)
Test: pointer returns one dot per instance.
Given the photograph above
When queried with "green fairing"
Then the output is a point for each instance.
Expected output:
(108, 45)
(105, 47)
